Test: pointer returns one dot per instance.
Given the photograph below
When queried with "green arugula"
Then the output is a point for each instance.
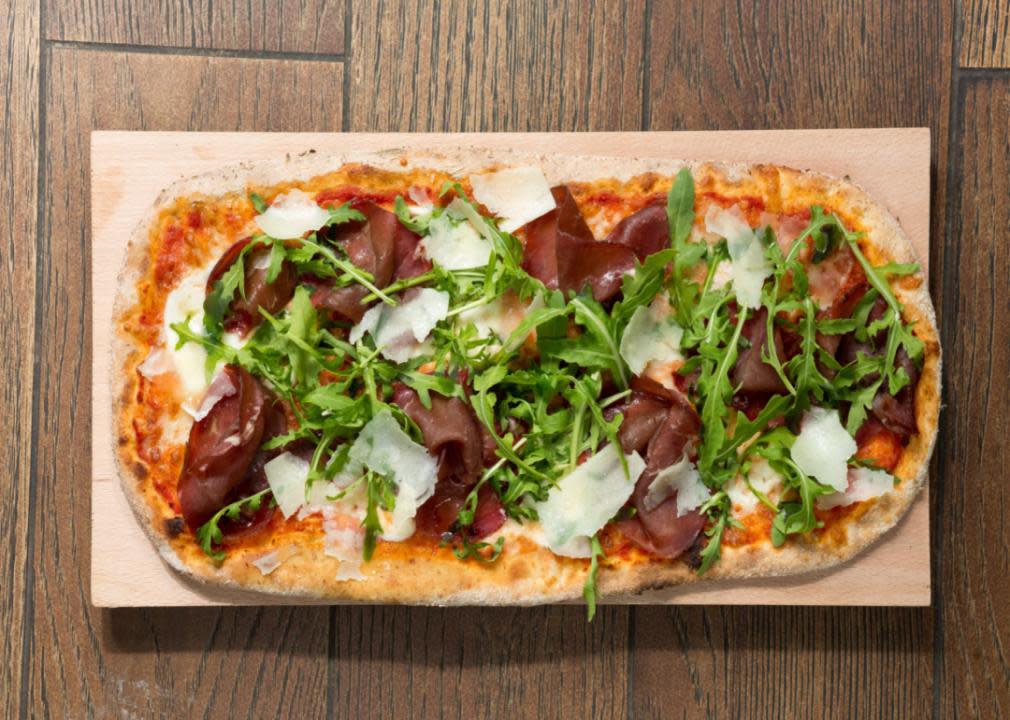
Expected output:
(210, 535)
(589, 589)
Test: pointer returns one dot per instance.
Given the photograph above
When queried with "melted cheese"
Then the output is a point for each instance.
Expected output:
(516, 195)
(291, 216)
(823, 448)
(400, 331)
(585, 499)
(190, 361)
(749, 268)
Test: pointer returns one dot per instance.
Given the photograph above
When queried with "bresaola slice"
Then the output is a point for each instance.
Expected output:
(562, 253)
(244, 310)
(381, 246)
(222, 445)
(645, 232)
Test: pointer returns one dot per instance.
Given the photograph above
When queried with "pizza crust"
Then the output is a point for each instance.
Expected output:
(525, 574)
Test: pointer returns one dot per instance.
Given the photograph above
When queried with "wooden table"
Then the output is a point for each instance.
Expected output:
(321, 65)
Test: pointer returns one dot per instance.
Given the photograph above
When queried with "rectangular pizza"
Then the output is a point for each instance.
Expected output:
(501, 378)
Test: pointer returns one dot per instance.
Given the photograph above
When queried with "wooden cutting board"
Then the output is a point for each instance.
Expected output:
(129, 169)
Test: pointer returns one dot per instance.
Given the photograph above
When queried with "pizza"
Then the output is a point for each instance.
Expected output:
(499, 378)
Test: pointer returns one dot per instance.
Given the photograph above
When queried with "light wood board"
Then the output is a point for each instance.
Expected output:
(129, 169)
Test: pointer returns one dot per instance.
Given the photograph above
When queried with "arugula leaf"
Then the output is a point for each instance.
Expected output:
(600, 326)
(718, 510)
(258, 203)
(215, 307)
(277, 257)
(343, 214)
(468, 549)
(589, 589)
(417, 225)
(380, 494)
(423, 384)
(209, 534)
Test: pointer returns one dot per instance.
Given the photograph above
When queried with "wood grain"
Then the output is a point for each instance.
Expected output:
(301, 26)
(985, 34)
(242, 663)
(19, 166)
(975, 538)
(794, 64)
(516, 66)
(477, 663)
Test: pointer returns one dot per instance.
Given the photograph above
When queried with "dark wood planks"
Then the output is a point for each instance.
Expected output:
(238, 662)
(463, 66)
(974, 538)
(985, 34)
(19, 159)
(303, 26)
(473, 663)
(792, 64)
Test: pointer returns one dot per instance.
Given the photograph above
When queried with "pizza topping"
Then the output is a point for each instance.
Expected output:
(585, 499)
(264, 282)
(453, 242)
(651, 336)
(556, 381)
(646, 232)
(214, 464)
(680, 481)
(287, 474)
(291, 216)
(863, 484)
(749, 268)
(399, 332)
(220, 388)
(184, 306)
(404, 473)
(562, 253)
(823, 448)
(516, 195)
(158, 362)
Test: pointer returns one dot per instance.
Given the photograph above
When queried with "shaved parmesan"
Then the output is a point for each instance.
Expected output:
(515, 195)
(270, 561)
(763, 479)
(681, 478)
(158, 362)
(345, 543)
(286, 475)
(455, 245)
(292, 215)
(584, 500)
(220, 388)
(384, 448)
(652, 335)
(749, 268)
(823, 448)
(400, 331)
(864, 484)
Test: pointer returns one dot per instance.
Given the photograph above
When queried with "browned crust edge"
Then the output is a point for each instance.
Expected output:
(533, 575)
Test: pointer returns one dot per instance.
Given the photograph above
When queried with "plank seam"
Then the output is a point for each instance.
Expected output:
(953, 170)
(28, 606)
(195, 51)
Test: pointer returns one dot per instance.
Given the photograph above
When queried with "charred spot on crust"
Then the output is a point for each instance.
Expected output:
(693, 556)
(174, 526)
(123, 440)
(140, 470)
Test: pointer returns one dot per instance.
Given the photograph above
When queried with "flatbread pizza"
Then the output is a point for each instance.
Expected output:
(500, 378)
